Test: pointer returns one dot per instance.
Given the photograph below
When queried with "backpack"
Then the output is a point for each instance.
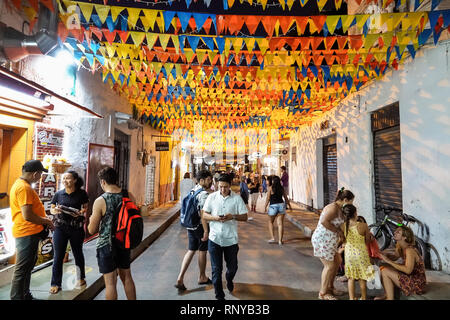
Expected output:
(189, 216)
(128, 225)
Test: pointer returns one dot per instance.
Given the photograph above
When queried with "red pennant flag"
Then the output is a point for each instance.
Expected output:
(269, 24)
(341, 42)
(356, 42)
(252, 23)
(206, 25)
(48, 4)
(319, 21)
(110, 36)
(316, 42)
(17, 4)
(284, 21)
(293, 43)
(301, 24)
(62, 31)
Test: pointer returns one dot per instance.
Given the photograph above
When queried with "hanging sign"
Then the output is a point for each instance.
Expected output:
(162, 145)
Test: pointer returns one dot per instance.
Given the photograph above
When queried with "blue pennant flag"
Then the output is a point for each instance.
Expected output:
(111, 25)
(411, 50)
(225, 4)
(96, 20)
(188, 3)
(193, 42)
(184, 19)
(314, 70)
(123, 23)
(168, 16)
(209, 41)
(200, 19)
(220, 41)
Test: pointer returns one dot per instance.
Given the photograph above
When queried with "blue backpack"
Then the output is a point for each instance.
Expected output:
(190, 216)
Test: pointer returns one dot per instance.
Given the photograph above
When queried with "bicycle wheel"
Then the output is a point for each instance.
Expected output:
(434, 261)
(422, 248)
(382, 237)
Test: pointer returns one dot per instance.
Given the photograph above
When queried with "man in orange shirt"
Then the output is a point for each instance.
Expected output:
(29, 220)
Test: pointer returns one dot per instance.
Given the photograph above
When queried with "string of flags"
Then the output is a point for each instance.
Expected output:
(239, 71)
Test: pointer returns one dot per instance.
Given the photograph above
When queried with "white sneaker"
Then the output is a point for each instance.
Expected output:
(249, 218)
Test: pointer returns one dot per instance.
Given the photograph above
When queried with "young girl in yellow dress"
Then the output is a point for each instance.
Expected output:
(357, 261)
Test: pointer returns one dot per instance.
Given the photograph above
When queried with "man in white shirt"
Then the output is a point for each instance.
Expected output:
(198, 237)
(186, 185)
(222, 210)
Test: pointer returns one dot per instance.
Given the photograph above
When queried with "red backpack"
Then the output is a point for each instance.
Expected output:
(128, 225)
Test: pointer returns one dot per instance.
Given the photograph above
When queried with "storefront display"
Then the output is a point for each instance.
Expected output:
(7, 241)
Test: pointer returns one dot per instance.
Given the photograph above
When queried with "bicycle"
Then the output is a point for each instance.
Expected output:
(385, 235)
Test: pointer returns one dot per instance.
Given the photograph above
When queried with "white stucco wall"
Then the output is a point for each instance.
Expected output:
(422, 88)
(92, 93)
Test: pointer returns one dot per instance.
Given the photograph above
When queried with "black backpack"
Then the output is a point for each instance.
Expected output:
(189, 216)
(128, 225)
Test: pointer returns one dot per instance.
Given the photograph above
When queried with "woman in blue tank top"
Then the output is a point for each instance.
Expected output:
(277, 208)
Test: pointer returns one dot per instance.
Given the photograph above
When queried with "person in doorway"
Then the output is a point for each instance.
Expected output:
(285, 180)
(357, 260)
(410, 276)
(111, 259)
(254, 193)
(30, 225)
(198, 238)
(186, 185)
(69, 226)
(277, 208)
(326, 239)
(222, 210)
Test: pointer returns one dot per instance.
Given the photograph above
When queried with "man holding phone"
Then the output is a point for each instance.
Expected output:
(222, 210)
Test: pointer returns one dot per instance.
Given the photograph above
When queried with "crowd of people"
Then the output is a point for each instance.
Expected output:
(339, 231)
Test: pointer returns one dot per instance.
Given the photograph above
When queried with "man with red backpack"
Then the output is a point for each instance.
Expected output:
(111, 257)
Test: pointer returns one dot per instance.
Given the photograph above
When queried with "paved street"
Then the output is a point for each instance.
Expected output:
(266, 271)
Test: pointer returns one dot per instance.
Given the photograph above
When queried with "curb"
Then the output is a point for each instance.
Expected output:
(97, 286)
(306, 230)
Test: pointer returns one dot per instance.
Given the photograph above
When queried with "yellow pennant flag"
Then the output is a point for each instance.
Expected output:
(321, 4)
(283, 3)
(151, 39)
(149, 18)
(200, 55)
(264, 3)
(250, 43)
(346, 22)
(137, 37)
(115, 11)
(263, 44)
(160, 22)
(133, 16)
(111, 50)
(102, 12)
(188, 53)
(237, 44)
(361, 19)
(290, 3)
(86, 9)
(176, 43)
(164, 40)
(332, 22)
(137, 65)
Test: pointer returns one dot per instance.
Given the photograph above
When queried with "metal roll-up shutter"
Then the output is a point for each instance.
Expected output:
(387, 158)
(329, 170)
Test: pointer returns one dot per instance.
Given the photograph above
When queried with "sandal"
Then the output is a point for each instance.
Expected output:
(272, 241)
(180, 287)
(326, 296)
(81, 283)
(383, 297)
(54, 289)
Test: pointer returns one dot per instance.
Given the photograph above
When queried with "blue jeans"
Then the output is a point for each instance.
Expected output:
(26, 257)
(61, 236)
(217, 253)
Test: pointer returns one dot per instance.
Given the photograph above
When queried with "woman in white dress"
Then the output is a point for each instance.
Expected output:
(325, 241)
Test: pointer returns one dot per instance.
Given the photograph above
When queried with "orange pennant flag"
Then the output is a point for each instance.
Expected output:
(301, 24)
(269, 24)
(252, 23)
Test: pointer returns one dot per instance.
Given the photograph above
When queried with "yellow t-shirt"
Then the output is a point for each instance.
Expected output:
(22, 194)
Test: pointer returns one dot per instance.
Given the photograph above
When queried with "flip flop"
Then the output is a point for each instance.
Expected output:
(209, 281)
(272, 241)
(326, 296)
(180, 287)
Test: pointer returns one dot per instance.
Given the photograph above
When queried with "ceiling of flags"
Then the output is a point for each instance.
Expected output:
(260, 64)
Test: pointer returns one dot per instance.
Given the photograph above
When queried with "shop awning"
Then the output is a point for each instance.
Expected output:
(26, 99)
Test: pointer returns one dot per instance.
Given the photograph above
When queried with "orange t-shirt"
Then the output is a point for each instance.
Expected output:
(22, 194)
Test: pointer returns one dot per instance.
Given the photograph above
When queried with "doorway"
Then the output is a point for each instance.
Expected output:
(121, 157)
(330, 182)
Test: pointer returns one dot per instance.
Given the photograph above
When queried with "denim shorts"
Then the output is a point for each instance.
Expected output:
(277, 208)
(195, 240)
(110, 259)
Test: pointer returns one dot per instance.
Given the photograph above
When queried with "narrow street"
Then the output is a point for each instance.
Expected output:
(266, 271)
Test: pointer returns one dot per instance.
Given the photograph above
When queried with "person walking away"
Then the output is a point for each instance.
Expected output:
(285, 180)
(186, 185)
(111, 259)
(223, 209)
(198, 237)
(243, 190)
(410, 276)
(277, 208)
(357, 260)
(69, 207)
(254, 193)
(30, 225)
(325, 240)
